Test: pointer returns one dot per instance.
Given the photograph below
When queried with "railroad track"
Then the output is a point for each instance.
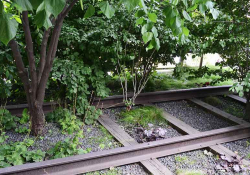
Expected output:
(149, 97)
(146, 153)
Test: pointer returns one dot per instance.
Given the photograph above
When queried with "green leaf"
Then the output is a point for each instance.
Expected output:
(107, 9)
(8, 27)
(155, 32)
(90, 11)
(144, 6)
(175, 2)
(215, 13)
(147, 37)
(147, 27)
(186, 15)
(177, 22)
(209, 5)
(139, 13)
(185, 3)
(35, 3)
(54, 7)
(157, 44)
(23, 5)
(45, 9)
(131, 4)
(185, 31)
(202, 8)
(81, 3)
(154, 43)
(139, 21)
(42, 19)
(192, 8)
(152, 17)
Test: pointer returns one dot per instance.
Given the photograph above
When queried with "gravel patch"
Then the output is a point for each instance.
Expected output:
(193, 115)
(131, 169)
(131, 128)
(93, 137)
(194, 161)
(241, 147)
(230, 106)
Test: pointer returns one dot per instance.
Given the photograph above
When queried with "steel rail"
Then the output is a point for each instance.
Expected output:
(163, 96)
(18, 109)
(130, 154)
(143, 98)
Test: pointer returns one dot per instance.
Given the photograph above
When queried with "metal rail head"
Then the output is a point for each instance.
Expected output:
(130, 154)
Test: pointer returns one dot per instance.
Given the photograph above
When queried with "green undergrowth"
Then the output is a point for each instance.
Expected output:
(162, 81)
(68, 122)
(189, 172)
(24, 151)
(233, 110)
(143, 116)
(112, 171)
(105, 141)
(214, 101)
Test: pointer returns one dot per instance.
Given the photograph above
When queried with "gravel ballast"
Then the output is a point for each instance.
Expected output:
(240, 147)
(93, 137)
(131, 169)
(228, 105)
(195, 161)
(193, 115)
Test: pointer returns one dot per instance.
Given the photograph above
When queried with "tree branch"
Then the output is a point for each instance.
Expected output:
(20, 66)
(30, 53)
(52, 51)
(43, 53)
(67, 9)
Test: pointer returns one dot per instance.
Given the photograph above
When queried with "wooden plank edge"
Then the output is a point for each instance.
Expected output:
(219, 113)
(237, 98)
(153, 165)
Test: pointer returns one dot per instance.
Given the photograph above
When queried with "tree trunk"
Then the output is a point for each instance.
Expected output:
(247, 114)
(181, 61)
(36, 79)
(201, 61)
(37, 119)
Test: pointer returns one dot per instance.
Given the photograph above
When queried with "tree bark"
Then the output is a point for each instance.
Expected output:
(35, 85)
(37, 118)
(201, 61)
(247, 113)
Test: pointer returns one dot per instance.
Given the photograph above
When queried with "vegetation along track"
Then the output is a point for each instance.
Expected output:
(146, 153)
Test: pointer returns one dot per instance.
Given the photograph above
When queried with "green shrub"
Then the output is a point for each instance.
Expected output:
(68, 147)
(25, 116)
(17, 153)
(7, 121)
(92, 114)
(22, 130)
(68, 122)
(143, 115)
(214, 101)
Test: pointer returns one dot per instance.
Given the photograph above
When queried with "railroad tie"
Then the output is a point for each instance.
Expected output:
(184, 128)
(152, 165)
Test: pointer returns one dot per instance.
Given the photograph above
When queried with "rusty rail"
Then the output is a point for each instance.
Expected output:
(130, 154)
(149, 97)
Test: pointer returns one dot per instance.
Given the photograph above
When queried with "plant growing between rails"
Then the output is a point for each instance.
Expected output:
(139, 72)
